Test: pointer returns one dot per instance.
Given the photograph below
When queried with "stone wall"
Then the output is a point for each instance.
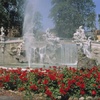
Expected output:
(7, 50)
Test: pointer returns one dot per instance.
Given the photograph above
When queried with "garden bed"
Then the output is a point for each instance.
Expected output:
(54, 83)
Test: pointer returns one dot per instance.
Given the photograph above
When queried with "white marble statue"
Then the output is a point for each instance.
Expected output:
(77, 35)
(80, 34)
(2, 36)
(19, 48)
(87, 48)
(51, 37)
(48, 34)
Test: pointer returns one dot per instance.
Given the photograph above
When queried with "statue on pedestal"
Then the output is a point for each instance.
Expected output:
(2, 36)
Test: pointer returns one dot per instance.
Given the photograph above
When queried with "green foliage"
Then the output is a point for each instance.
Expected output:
(68, 15)
(37, 22)
(56, 82)
(10, 12)
(3, 15)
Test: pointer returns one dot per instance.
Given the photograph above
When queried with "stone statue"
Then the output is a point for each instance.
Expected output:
(51, 37)
(19, 48)
(2, 36)
(77, 35)
(80, 34)
(87, 48)
(48, 34)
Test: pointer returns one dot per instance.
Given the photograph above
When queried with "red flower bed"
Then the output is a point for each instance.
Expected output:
(53, 82)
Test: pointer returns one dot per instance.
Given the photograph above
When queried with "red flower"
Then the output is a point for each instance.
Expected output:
(99, 87)
(45, 81)
(78, 83)
(23, 77)
(62, 84)
(60, 76)
(52, 77)
(71, 81)
(67, 88)
(18, 71)
(62, 91)
(93, 92)
(88, 75)
(33, 87)
(7, 78)
(72, 69)
(94, 75)
(1, 71)
(59, 82)
(40, 74)
(54, 67)
(82, 86)
(39, 81)
(36, 70)
(47, 70)
(1, 78)
(82, 92)
(41, 69)
(1, 84)
(48, 92)
(94, 85)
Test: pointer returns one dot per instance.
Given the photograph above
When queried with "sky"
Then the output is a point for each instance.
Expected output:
(97, 9)
(44, 7)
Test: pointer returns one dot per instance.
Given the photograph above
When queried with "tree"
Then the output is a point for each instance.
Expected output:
(99, 20)
(37, 18)
(68, 15)
(11, 15)
(3, 15)
(10, 12)
(37, 21)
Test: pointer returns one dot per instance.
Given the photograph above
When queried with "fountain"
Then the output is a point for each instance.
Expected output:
(45, 51)
(28, 26)
(49, 50)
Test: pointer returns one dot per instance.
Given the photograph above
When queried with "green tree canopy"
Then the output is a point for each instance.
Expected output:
(68, 15)
(37, 21)
(37, 18)
(10, 12)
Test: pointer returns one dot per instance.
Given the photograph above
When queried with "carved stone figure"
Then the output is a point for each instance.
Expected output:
(80, 34)
(19, 48)
(87, 48)
(77, 35)
(51, 37)
(2, 36)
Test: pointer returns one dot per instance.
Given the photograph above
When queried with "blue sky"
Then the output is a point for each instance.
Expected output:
(97, 9)
(44, 7)
(97, 3)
